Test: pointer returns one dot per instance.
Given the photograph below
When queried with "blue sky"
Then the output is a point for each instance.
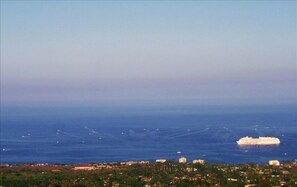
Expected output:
(148, 52)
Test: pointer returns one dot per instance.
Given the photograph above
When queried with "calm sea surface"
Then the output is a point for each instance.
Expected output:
(108, 134)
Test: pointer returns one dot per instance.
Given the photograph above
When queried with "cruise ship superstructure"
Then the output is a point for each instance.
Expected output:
(247, 141)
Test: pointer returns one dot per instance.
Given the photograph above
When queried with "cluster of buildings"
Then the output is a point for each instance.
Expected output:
(182, 160)
(88, 167)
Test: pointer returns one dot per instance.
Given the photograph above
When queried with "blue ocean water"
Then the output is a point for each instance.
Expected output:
(111, 134)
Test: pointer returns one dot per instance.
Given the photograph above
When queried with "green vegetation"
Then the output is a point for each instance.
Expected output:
(149, 174)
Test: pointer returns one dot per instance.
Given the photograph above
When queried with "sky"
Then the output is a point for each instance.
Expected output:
(193, 52)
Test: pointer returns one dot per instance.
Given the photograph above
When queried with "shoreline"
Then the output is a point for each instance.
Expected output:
(130, 163)
(149, 160)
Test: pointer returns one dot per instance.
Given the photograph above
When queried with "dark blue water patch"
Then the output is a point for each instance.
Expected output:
(78, 137)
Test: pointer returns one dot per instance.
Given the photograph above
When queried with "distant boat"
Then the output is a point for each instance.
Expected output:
(249, 141)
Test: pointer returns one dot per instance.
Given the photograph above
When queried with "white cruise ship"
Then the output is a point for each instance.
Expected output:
(247, 141)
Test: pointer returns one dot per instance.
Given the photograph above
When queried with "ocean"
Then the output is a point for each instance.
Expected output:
(120, 133)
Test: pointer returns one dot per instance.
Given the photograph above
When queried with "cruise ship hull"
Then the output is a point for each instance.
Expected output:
(261, 141)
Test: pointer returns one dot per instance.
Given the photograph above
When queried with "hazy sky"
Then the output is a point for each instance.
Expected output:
(148, 52)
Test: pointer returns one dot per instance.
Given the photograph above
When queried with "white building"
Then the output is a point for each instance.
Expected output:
(84, 167)
(182, 160)
(273, 163)
(199, 161)
(161, 160)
